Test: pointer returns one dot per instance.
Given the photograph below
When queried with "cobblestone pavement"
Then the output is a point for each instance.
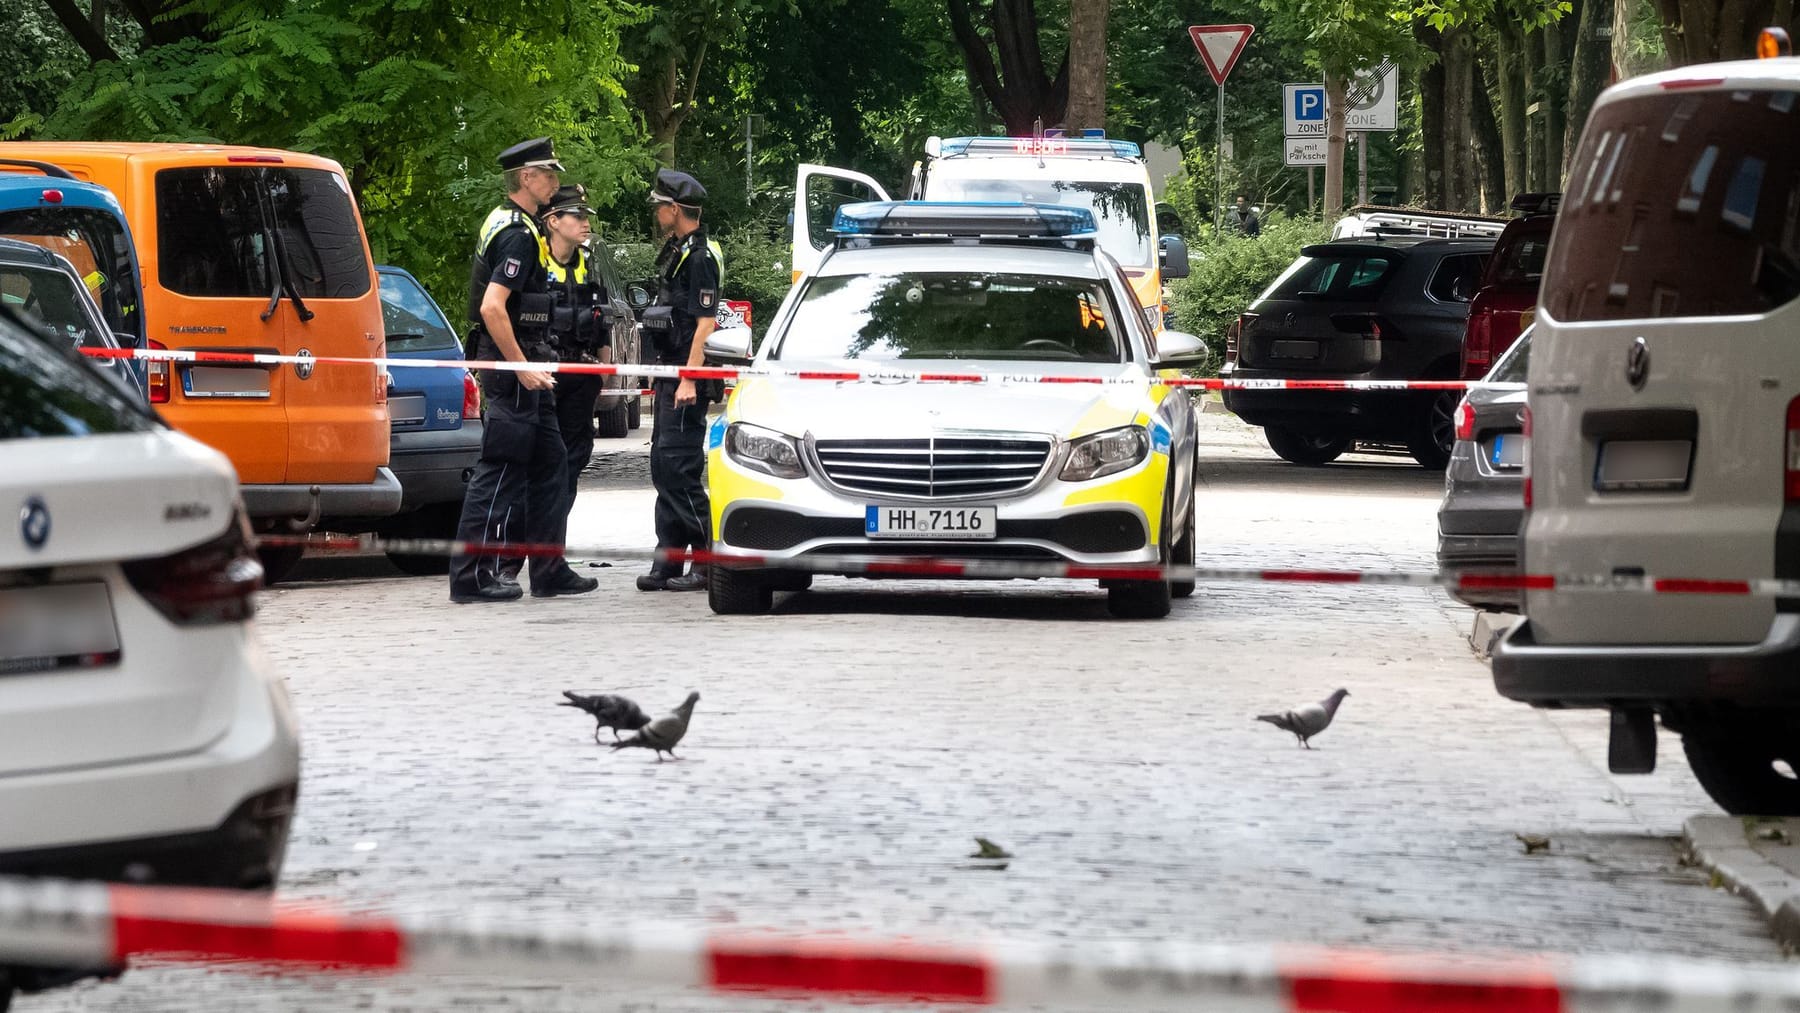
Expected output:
(847, 749)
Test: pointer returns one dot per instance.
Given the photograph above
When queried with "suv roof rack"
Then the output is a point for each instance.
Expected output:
(1375, 220)
(1037, 147)
(49, 170)
(1536, 203)
(938, 220)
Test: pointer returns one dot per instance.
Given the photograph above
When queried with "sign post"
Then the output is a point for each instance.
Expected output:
(1220, 46)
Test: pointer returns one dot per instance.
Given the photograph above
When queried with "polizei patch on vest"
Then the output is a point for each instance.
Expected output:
(707, 298)
(512, 267)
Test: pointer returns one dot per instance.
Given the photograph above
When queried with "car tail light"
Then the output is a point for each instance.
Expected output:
(1465, 420)
(255, 159)
(1793, 451)
(471, 396)
(384, 382)
(1525, 430)
(1232, 332)
(210, 583)
(159, 375)
(53, 196)
(1478, 345)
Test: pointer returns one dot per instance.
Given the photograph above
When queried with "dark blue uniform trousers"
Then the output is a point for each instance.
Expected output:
(677, 470)
(518, 486)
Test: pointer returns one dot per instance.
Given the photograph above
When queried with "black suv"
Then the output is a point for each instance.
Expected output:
(1362, 309)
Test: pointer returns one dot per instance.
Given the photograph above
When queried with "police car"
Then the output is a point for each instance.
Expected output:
(1091, 473)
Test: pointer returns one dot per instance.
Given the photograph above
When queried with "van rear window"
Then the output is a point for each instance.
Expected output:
(1680, 204)
(231, 232)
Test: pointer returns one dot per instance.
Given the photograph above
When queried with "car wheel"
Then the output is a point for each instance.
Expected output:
(737, 592)
(1435, 437)
(1297, 448)
(634, 411)
(432, 522)
(1736, 763)
(278, 561)
(614, 420)
(790, 580)
(1182, 553)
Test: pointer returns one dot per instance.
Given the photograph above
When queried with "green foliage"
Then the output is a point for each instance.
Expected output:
(1230, 272)
(757, 269)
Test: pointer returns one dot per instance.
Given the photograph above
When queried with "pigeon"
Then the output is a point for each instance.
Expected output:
(1308, 721)
(989, 849)
(609, 711)
(1533, 842)
(665, 732)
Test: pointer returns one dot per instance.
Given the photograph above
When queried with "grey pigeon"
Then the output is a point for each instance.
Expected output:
(665, 732)
(1308, 721)
(609, 711)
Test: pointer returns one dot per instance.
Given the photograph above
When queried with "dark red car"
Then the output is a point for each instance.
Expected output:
(1507, 300)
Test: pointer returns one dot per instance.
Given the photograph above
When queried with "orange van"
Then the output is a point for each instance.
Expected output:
(255, 249)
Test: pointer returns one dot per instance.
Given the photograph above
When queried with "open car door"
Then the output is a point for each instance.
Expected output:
(819, 190)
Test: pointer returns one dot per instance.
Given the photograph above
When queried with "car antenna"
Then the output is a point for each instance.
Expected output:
(1037, 138)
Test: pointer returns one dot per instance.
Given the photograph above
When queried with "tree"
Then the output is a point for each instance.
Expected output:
(1007, 61)
(1087, 63)
(1702, 31)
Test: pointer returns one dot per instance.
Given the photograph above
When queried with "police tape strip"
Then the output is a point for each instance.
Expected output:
(84, 924)
(900, 565)
(735, 373)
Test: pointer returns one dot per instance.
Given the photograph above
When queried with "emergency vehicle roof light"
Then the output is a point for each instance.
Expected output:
(949, 218)
(1090, 146)
(1773, 42)
(1536, 203)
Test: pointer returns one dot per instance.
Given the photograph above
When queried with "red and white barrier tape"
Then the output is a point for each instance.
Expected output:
(65, 924)
(900, 565)
(734, 373)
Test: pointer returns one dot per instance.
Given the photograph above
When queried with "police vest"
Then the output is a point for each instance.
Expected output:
(577, 300)
(505, 216)
(718, 256)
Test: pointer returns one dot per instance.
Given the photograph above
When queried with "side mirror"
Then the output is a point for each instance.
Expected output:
(729, 346)
(1173, 257)
(1180, 350)
(126, 339)
(639, 296)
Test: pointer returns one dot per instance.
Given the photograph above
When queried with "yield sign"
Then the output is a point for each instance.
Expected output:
(1220, 46)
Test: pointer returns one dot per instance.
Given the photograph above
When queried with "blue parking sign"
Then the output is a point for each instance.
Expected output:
(1303, 110)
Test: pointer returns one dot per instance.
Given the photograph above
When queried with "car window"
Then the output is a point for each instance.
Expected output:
(413, 322)
(96, 243)
(1519, 259)
(824, 195)
(1348, 276)
(1456, 278)
(47, 390)
(1681, 204)
(219, 228)
(1513, 363)
(1121, 210)
(953, 315)
(52, 300)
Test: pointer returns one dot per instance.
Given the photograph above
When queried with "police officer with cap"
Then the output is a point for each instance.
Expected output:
(518, 483)
(678, 325)
(578, 328)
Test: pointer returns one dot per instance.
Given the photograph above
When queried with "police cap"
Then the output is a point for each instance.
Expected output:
(571, 198)
(676, 187)
(537, 152)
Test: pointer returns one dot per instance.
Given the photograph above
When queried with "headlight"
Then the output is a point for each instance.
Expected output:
(1106, 453)
(764, 450)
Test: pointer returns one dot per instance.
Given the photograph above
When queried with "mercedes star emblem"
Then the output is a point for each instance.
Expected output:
(34, 523)
(1637, 364)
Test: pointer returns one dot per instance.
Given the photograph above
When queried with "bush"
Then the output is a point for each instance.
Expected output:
(1229, 272)
(756, 267)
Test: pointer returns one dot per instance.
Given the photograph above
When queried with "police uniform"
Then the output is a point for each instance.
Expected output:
(580, 332)
(690, 272)
(518, 483)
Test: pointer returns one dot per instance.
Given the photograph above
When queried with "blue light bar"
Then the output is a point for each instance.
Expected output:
(955, 218)
(1039, 147)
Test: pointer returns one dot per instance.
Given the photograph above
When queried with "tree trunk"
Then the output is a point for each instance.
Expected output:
(668, 100)
(1555, 91)
(1461, 181)
(1087, 64)
(1510, 70)
(1015, 83)
(1336, 94)
(1533, 123)
(1488, 146)
(1431, 117)
(1589, 70)
(87, 35)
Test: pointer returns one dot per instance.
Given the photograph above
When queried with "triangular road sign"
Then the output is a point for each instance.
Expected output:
(1220, 46)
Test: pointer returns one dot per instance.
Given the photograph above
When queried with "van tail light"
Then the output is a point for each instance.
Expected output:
(1525, 431)
(159, 375)
(1793, 451)
(1478, 345)
(471, 396)
(1465, 420)
(211, 583)
(384, 382)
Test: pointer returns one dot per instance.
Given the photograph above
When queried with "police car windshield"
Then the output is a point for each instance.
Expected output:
(954, 315)
(1119, 209)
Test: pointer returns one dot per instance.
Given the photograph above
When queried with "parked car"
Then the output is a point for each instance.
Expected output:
(1369, 221)
(257, 249)
(1083, 473)
(620, 408)
(435, 419)
(1363, 309)
(1507, 300)
(1665, 430)
(43, 288)
(144, 736)
(1484, 486)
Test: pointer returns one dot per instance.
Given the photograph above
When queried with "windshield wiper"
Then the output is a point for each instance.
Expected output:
(284, 282)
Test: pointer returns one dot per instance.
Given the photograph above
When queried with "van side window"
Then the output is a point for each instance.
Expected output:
(1690, 206)
(225, 232)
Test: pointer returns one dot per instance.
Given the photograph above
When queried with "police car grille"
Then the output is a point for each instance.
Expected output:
(941, 468)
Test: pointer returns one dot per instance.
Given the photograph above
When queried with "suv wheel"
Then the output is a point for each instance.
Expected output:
(614, 420)
(433, 522)
(1735, 763)
(634, 409)
(278, 561)
(737, 592)
(1302, 449)
(1435, 436)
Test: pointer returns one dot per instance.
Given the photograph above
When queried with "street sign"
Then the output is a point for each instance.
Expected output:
(1220, 46)
(1303, 110)
(1303, 151)
(1374, 97)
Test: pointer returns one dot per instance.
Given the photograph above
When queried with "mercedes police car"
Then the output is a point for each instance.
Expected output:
(1091, 473)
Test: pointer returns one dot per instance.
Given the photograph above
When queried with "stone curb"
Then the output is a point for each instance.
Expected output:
(1721, 846)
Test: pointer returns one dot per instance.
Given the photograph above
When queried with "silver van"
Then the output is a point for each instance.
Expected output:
(1664, 430)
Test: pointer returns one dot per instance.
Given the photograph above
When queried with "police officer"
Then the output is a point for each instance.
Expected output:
(518, 484)
(678, 325)
(579, 329)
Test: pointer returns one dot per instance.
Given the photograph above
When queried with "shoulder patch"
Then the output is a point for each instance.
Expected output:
(707, 298)
(512, 267)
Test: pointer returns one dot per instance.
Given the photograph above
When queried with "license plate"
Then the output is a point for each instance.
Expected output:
(56, 626)
(1643, 465)
(407, 410)
(1294, 350)
(225, 381)
(1508, 452)
(930, 522)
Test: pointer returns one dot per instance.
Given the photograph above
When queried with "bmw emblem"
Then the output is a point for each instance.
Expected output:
(304, 368)
(1637, 364)
(34, 523)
